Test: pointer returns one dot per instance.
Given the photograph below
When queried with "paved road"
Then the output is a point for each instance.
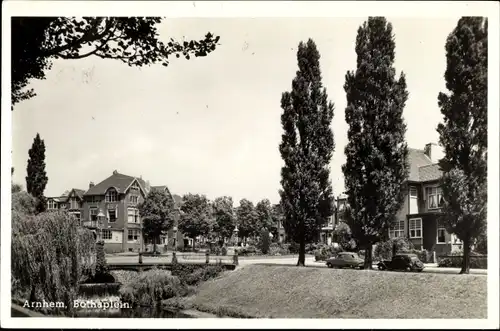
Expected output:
(282, 261)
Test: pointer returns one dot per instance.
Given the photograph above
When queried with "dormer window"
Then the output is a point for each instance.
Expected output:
(134, 186)
(111, 195)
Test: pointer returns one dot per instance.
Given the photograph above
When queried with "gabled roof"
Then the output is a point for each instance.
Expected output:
(65, 196)
(422, 169)
(417, 158)
(430, 173)
(118, 181)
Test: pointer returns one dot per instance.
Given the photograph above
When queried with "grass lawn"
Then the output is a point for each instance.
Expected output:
(266, 291)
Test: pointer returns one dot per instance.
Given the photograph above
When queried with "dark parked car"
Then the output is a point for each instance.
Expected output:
(345, 260)
(406, 262)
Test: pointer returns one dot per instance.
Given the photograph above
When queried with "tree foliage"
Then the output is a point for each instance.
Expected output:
(246, 219)
(263, 210)
(307, 147)
(224, 217)
(51, 254)
(464, 132)
(376, 166)
(277, 218)
(158, 215)
(342, 235)
(37, 41)
(37, 179)
(196, 218)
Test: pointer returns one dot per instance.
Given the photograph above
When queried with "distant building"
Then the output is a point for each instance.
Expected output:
(110, 209)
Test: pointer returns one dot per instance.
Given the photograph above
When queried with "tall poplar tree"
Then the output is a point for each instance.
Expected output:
(464, 132)
(307, 147)
(36, 180)
(376, 168)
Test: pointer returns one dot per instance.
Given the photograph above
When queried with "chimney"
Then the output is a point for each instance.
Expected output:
(115, 172)
(434, 152)
(91, 184)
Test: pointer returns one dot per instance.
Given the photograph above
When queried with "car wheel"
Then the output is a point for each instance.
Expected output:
(408, 269)
(329, 265)
(381, 267)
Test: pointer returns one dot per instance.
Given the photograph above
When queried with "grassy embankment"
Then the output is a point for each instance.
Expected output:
(290, 292)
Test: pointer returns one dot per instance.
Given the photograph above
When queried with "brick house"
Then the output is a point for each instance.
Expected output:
(71, 201)
(417, 219)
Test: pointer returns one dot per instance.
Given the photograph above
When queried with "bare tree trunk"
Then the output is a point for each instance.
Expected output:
(368, 257)
(466, 257)
(154, 245)
(33, 293)
(302, 246)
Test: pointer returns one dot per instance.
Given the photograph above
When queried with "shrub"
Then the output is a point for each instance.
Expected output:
(195, 274)
(224, 251)
(150, 287)
(248, 251)
(476, 262)
(383, 250)
(99, 289)
(278, 249)
(294, 247)
(101, 267)
(311, 248)
(325, 252)
(343, 236)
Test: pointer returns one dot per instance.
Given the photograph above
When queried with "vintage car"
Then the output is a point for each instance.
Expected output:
(345, 260)
(403, 262)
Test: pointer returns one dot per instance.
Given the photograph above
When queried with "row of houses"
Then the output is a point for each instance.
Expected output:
(418, 218)
(110, 209)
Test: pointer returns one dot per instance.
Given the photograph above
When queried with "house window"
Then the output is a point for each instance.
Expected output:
(74, 204)
(106, 234)
(441, 235)
(134, 186)
(112, 215)
(133, 215)
(397, 229)
(93, 214)
(62, 205)
(133, 199)
(93, 199)
(413, 192)
(133, 235)
(434, 197)
(51, 204)
(416, 228)
(111, 196)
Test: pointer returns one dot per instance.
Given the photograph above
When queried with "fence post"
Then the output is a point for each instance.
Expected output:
(174, 258)
(140, 257)
(434, 260)
(207, 257)
(235, 258)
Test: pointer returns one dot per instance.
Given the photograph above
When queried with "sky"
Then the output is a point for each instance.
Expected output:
(211, 125)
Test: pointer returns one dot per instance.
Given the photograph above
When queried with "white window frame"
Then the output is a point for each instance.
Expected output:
(131, 199)
(51, 204)
(91, 209)
(105, 237)
(135, 213)
(412, 226)
(74, 203)
(416, 192)
(434, 191)
(132, 233)
(441, 228)
(116, 215)
(397, 229)
(111, 195)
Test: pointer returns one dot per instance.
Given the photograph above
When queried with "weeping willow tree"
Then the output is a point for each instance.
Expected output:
(51, 255)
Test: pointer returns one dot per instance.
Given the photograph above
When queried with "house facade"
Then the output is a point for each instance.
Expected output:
(418, 218)
(110, 210)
